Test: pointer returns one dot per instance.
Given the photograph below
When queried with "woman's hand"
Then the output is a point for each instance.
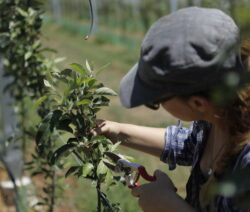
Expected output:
(158, 195)
(146, 139)
(109, 129)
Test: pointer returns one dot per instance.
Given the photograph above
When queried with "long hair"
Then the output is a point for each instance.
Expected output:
(236, 117)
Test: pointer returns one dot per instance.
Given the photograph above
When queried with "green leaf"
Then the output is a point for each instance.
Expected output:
(43, 132)
(97, 138)
(101, 148)
(59, 59)
(86, 169)
(40, 100)
(55, 118)
(6, 62)
(71, 170)
(109, 178)
(36, 44)
(102, 68)
(72, 140)
(66, 72)
(114, 147)
(105, 91)
(101, 168)
(91, 82)
(61, 151)
(129, 158)
(101, 101)
(27, 55)
(48, 50)
(83, 102)
(79, 81)
(22, 12)
(78, 68)
(88, 67)
(47, 83)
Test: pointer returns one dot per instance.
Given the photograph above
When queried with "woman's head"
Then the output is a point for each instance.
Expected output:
(183, 53)
(233, 113)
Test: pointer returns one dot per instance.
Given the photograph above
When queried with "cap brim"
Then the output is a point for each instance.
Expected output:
(134, 92)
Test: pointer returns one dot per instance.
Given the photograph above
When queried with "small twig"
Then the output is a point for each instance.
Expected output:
(53, 188)
(73, 152)
(105, 200)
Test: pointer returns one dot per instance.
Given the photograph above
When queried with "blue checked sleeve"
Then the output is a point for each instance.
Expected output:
(180, 145)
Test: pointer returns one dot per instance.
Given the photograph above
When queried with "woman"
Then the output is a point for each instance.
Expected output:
(191, 66)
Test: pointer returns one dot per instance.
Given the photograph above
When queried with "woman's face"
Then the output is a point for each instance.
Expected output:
(188, 109)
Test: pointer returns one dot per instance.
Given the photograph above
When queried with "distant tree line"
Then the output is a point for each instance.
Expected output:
(138, 15)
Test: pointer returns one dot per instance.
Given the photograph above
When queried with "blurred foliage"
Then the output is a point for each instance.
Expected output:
(20, 24)
(26, 66)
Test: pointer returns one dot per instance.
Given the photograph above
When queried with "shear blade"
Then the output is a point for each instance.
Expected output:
(110, 166)
(118, 167)
(114, 157)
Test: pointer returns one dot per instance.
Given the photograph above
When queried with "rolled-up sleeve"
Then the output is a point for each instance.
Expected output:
(179, 146)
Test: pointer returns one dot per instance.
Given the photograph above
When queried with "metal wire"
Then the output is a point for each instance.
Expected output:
(92, 16)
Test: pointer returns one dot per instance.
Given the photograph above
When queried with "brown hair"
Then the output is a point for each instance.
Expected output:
(236, 117)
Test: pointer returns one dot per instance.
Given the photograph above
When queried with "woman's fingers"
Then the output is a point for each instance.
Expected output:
(159, 174)
(107, 128)
(99, 122)
(162, 189)
(100, 128)
(163, 177)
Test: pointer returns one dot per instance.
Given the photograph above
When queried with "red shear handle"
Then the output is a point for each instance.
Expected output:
(134, 186)
(145, 174)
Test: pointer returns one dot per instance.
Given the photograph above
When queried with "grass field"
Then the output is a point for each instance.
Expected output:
(81, 195)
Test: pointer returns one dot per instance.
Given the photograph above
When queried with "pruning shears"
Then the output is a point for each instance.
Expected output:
(132, 171)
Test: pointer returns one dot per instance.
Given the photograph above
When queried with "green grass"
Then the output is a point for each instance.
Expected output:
(81, 196)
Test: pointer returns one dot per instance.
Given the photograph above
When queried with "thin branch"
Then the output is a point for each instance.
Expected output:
(105, 200)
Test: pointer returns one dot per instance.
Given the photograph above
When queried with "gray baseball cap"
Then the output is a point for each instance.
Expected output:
(185, 52)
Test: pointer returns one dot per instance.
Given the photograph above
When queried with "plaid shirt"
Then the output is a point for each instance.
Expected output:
(184, 146)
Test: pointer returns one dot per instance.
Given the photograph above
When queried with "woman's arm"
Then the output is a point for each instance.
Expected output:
(146, 139)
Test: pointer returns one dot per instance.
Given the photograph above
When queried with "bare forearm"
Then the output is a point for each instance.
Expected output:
(146, 139)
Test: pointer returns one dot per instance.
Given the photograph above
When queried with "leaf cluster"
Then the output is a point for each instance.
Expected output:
(77, 96)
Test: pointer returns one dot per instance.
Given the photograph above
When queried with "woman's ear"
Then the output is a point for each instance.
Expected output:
(199, 104)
